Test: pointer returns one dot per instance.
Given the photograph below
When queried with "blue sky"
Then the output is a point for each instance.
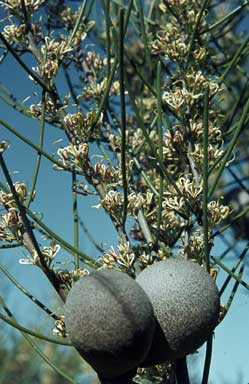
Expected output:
(54, 201)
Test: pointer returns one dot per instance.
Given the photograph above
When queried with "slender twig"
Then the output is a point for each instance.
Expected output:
(30, 235)
(87, 259)
(133, 12)
(23, 65)
(195, 32)
(123, 115)
(142, 76)
(78, 22)
(108, 38)
(181, 371)
(70, 86)
(90, 237)
(36, 147)
(139, 6)
(38, 158)
(224, 18)
(13, 102)
(233, 220)
(205, 179)
(75, 221)
(237, 55)
(230, 147)
(205, 219)
(238, 181)
(16, 325)
(145, 228)
(25, 15)
(7, 246)
(234, 290)
(233, 270)
(207, 363)
(145, 176)
(36, 349)
(105, 96)
(28, 294)
(229, 271)
(160, 149)
(150, 143)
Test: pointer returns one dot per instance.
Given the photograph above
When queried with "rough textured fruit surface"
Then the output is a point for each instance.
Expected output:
(186, 305)
(110, 321)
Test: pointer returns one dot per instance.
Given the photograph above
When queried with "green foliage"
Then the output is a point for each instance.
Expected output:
(20, 362)
(152, 120)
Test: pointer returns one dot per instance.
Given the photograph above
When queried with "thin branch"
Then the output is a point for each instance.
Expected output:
(233, 270)
(195, 32)
(229, 271)
(75, 221)
(90, 237)
(230, 147)
(23, 65)
(207, 360)
(224, 18)
(36, 147)
(28, 233)
(16, 325)
(78, 22)
(36, 349)
(234, 290)
(160, 149)
(28, 294)
(38, 158)
(181, 371)
(205, 179)
(123, 115)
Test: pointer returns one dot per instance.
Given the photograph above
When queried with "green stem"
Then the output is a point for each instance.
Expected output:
(235, 288)
(105, 96)
(108, 38)
(38, 158)
(232, 274)
(235, 58)
(194, 34)
(139, 6)
(37, 350)
(90, 237)
(150, 143)
(134, 13)
(205, 179)
(28, 294)
(78, 22)
(224, 18)
(87, 259)
(145, 176)
(23, 65)
(16, 325)
(236, 265)
(12, 102)
(76, 221)
(123, 115)
(34, 146)
(233, 220)
(160, 149)
(27, 227)
(230, 147)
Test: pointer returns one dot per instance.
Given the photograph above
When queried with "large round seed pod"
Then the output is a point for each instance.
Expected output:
(186, 304)
(110, 321)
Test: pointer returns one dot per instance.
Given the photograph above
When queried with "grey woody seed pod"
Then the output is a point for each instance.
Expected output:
(110, 322)
(186, 305)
